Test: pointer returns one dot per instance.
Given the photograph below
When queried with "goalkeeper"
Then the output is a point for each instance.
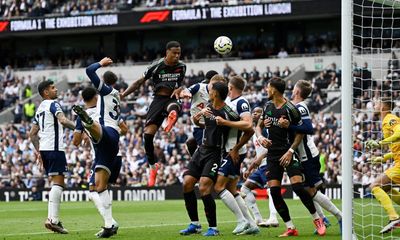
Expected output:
(381, 187)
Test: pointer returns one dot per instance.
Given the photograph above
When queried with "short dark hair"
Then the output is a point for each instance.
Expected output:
(278, 83)
(210, 74)
(172, 44)
(43, 86)
(88, 94)
(388, 101)
(222, 89)
(238, 82)
(305, 88)
(110, 78)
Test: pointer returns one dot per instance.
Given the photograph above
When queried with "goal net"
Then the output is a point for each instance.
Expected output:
(375, 75)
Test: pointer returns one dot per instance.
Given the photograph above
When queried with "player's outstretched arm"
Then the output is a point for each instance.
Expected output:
(395, 137)
(133, 87)
(244, 124)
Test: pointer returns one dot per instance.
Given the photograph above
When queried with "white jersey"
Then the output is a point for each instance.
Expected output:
(242, 107)
(108, 109)
(306, 148)
(260, 150)
(51, 133)
(200, 98)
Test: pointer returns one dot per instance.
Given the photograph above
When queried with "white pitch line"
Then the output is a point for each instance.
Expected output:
(132, 227)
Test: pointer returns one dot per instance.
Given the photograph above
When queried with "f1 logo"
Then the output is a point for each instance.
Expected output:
(3, 25)
(160, 16)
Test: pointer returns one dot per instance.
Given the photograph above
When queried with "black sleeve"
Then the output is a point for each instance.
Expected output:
(150, 69)
(294, 115)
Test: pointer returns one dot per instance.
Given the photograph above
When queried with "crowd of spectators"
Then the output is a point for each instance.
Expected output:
(13, 90)
(38, 8)
(18, 169)
(245, 47)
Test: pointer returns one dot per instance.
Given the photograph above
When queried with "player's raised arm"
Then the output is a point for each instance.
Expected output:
(78, 133)
(97, 82)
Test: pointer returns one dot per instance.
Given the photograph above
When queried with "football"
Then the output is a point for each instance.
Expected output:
(223, 45)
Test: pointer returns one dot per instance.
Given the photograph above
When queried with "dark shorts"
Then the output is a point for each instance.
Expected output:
(204, 163)
(275, 171)
(158, 109)
(258, 177)
(106, 149)
(228, 169)
(198, 135)
(54, 162)
(115, 169)
(311, 169)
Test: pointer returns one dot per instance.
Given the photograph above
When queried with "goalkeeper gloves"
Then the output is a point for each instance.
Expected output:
(372, 144)
(377, 160)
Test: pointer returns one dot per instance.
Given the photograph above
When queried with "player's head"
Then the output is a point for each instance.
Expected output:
(219, 91)
(47, 89)
(110, 78)
(275, 87)
(302, 88)
(89, 95)
(209, 75)
(216, 78)
(386, 104)
(237, 83)
(257, 112)
(173, 52)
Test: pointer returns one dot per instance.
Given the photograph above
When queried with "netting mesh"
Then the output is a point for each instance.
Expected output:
(376, 42)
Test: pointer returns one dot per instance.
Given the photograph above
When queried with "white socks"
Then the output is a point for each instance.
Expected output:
(319, 209)
(290, 224)
(272, 210)
(242, 205)
(54, 203)
(251, 202)
(105, 200)
(230, 202)
(326, 203)
(94, 196)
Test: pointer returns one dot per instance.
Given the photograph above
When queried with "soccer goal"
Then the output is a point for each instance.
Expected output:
(370, 73)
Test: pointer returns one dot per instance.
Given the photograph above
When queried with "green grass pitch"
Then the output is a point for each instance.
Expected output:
(150, 220)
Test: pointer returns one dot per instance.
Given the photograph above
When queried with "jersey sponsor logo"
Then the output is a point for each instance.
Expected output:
(200, 105)
(159, 16)
(245, 107)
(302, 110)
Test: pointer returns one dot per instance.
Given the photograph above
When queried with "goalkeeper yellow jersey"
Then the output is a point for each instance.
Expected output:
(390, 124)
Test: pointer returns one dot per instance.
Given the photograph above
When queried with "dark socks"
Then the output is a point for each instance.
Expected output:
(191, 205)
(210, 210)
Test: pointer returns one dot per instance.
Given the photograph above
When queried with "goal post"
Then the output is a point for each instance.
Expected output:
(370, 71)
(347, 141)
